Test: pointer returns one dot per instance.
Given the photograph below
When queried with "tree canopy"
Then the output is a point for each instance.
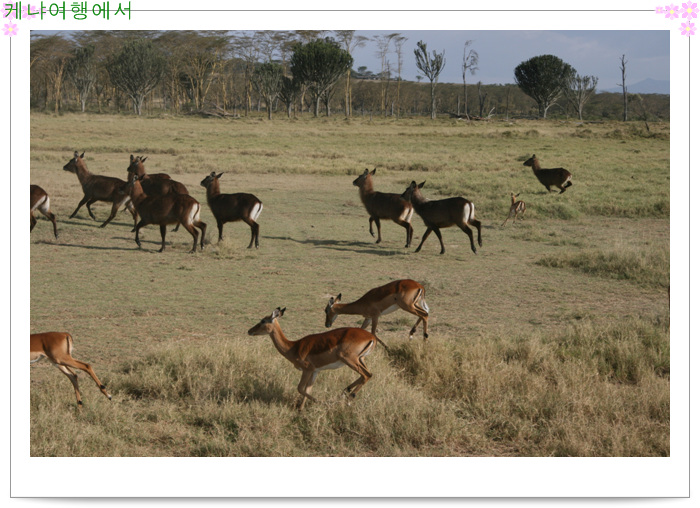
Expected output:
(543, 78)
(136, 70)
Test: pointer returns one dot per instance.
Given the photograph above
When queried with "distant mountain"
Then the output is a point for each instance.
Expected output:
(647, 86)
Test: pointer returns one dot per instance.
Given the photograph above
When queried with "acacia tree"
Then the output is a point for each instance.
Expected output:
(579, 90)
(289, 93)
(543, 78)
(267, 80)
(431, 68)
(349, 41)
(319, 64)
(136, 70)
(82, 72)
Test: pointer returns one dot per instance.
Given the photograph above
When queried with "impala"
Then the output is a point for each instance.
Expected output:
(57, 347)
(405, 294)
(163, 210)
(555, 177)
(321, 351)
(383, 205)
(39, 200)
(443, 213)
(232, 207)
(516, 207)
(98, 188)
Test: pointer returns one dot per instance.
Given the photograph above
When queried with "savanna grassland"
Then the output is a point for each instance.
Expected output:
(552, 341)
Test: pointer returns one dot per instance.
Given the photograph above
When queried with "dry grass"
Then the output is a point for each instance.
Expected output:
(552, 340)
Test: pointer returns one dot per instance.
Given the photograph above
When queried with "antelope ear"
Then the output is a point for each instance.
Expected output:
(212, 174)
(420, 185)
(373, 171)
(518, 194)
(338, 297)
(143, 159)
(219, 175)
(81, 155)
(534, 156)
(131, 157)
(366, 172)
(282, 311)
(331, 301)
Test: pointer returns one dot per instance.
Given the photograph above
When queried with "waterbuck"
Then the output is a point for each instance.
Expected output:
(39, 200)
(555, 177)
(443, 213)
(384, 205)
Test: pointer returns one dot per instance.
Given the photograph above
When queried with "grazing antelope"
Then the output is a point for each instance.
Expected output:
(164, 210)
(39, 200)
(321, 351)
(516, 207)
(98, 188)
(405, 294)
(557, 177)
(58, 348)
(443, 213)
(232, 207)
(383, 205)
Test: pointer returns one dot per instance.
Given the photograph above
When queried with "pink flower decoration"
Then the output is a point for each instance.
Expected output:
(26, 10)
(672, 11)
(687, 29)
(10, 29)
(660, 10)
(7, 14)
(690, 10)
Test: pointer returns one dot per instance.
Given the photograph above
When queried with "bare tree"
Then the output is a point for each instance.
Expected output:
(82, 72)
(623, 68)
(469, 64)
(383, 42)
(431, 68)
(399, 41)
(349, 41)
(579, 90)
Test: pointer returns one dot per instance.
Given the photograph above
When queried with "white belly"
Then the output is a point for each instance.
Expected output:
(390, 309)
(331, 366)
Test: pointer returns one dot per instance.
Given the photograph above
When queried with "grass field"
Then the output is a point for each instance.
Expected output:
(552, 341)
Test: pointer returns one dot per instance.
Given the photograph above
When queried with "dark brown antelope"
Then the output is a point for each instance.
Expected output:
(98, 188)
(443, 213)
(233, 207)
(516, 207)
(405, 294)
(321, 351)
(555, 177)
(384, 205)
(58, 349)
(39, 200)
(164, 210)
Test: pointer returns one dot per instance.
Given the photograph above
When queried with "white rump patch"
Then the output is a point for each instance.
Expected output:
(390, 309)
(407, 215)
(257, 209)
(468, 212)
(424, 306)
(42, 205)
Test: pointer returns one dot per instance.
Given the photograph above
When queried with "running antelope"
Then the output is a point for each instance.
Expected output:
(555, 177)
(163, 210)
(57, 347)
(321, 351)
(383, 205)
(39, 200)
(98, 188)
(516, 207)
(232, 207)
(443, 213)
(405, 294)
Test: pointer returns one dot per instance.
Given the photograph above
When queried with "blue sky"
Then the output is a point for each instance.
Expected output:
(594, 52)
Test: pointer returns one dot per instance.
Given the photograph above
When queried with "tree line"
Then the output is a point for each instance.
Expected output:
(220, 73)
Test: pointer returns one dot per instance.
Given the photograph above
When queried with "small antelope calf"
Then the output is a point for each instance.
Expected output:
(384, 205)
(555, 177)
(233, 207)
(516, 207)
(39, 200)
(443, 213)
(58, 349)
(98, 188)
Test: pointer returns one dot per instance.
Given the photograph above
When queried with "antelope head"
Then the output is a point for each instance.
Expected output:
(330, 314)
(210, 179)
(72, 164)
(267, 324)
(360, 180)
